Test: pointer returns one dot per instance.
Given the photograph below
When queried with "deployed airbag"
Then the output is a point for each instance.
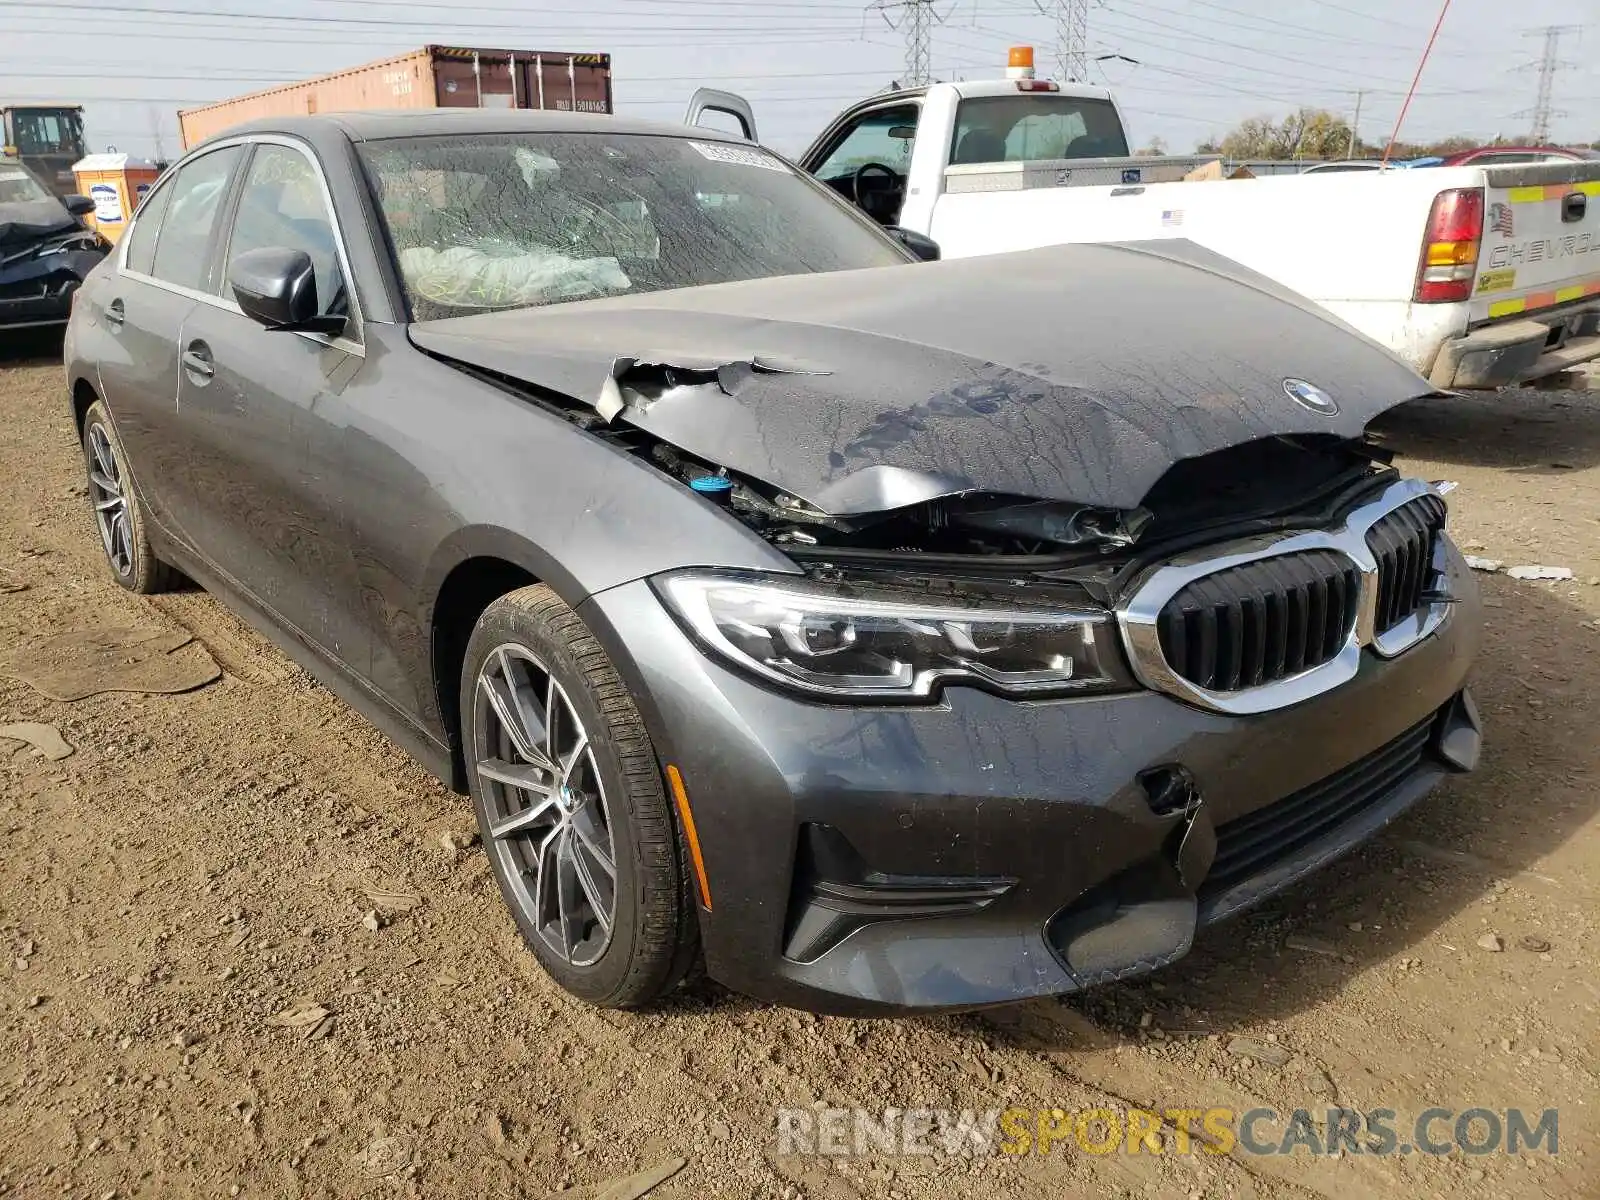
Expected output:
(491, 274)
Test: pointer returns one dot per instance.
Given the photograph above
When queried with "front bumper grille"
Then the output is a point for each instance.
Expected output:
(1261, 622)
(1253, 843)
(1403, 543)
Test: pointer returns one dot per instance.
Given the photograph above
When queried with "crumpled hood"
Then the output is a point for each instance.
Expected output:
(23, 221)
(1078, 373)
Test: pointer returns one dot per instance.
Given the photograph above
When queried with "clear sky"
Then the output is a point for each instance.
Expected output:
(1204, 64)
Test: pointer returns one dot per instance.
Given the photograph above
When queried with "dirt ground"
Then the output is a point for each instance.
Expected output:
(203, 862)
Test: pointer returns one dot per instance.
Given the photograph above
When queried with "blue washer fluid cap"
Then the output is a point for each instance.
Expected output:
(714, 486)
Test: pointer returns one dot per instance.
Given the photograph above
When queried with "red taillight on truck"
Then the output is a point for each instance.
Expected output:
(1450, 247)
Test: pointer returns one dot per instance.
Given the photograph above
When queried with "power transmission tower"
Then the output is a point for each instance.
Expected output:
(1072, 36)
(1548, 65)
(917, 19)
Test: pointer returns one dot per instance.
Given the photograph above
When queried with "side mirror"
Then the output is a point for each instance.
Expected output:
(923, 247)
(78, 206)
(278, 288)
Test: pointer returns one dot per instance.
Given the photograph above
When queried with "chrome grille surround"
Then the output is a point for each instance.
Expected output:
(1138, 616)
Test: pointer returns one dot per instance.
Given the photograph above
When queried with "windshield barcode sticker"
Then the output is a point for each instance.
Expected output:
(741, 155)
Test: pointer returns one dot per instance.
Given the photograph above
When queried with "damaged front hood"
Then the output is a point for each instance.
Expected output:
(23, 221)
(1078, 373)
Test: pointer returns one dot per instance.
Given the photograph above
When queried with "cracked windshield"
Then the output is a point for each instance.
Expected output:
(491, 222)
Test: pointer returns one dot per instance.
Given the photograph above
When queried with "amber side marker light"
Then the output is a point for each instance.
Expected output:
(681, 798)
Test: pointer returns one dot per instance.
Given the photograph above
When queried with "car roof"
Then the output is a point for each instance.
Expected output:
(378, 124)
(1557, 151)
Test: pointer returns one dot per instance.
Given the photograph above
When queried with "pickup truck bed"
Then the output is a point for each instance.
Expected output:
(1352, 243)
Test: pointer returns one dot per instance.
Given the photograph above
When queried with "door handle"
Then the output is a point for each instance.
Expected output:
(197, 361)
(115, 313)
(1573, 207)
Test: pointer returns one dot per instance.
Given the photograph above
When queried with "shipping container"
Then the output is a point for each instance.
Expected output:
(432, 77)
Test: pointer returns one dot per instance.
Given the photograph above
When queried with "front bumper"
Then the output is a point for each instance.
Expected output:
(37, 306)
(1504, 355)
(870, 860)
(38, 291)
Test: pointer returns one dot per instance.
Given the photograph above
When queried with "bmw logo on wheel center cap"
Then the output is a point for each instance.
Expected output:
(1309, 395)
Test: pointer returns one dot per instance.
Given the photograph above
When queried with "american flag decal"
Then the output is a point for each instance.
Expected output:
(1500, 220)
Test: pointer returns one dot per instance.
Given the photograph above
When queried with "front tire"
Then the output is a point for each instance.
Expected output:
(118, 516)
(571, 806)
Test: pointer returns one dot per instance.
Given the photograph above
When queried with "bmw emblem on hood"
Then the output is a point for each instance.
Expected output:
(1309, 395)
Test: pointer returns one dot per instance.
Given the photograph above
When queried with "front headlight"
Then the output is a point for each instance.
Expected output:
(845, 642)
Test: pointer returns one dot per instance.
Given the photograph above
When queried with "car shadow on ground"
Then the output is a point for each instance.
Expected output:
(30, 347)
(1532, 793)
(1525, 431)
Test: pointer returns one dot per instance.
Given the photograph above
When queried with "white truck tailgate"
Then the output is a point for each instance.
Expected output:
(1541, 239)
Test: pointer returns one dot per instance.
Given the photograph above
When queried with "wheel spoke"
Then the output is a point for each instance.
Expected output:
(552, 718)
(101, 445)
(522, 776)
(505, 710)
(106, 483)
(533, 727)
(109, 505)
(549, 905)
(569, 894)
(121, 541)
(520, 822)
(585, 827)
(569, 761)
(599, 901)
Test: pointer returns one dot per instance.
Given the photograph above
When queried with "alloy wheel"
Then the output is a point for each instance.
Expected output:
(548, 822)
(110, 504)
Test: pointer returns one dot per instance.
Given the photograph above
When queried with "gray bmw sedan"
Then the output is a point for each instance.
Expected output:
(884, 633)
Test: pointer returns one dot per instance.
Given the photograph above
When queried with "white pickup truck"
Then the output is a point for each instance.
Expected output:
(1479, 277)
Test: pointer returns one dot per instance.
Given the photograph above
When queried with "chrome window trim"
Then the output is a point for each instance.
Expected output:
(1137, 616)
(349, 344)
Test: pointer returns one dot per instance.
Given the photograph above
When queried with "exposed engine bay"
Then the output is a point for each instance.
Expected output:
(1265, 484)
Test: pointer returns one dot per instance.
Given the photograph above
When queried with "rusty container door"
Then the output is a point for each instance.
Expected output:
(460, 81)
(567, 82)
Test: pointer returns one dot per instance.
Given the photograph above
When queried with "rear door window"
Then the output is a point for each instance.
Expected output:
(141, 254)
(184, 242)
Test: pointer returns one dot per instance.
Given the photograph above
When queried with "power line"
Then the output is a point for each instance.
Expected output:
(1297, 32)
(810, 21)
(1548, 65)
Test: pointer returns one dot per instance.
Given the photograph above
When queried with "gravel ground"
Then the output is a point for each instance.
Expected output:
(202, 864)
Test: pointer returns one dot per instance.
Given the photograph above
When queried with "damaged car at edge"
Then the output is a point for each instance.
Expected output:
(46, 251)
(888, 635)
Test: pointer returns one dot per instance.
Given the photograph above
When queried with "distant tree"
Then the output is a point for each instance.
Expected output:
(1307, 133)
(1155, 148)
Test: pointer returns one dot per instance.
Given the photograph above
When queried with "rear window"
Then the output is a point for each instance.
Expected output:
(1036, 127)
(515, 220)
